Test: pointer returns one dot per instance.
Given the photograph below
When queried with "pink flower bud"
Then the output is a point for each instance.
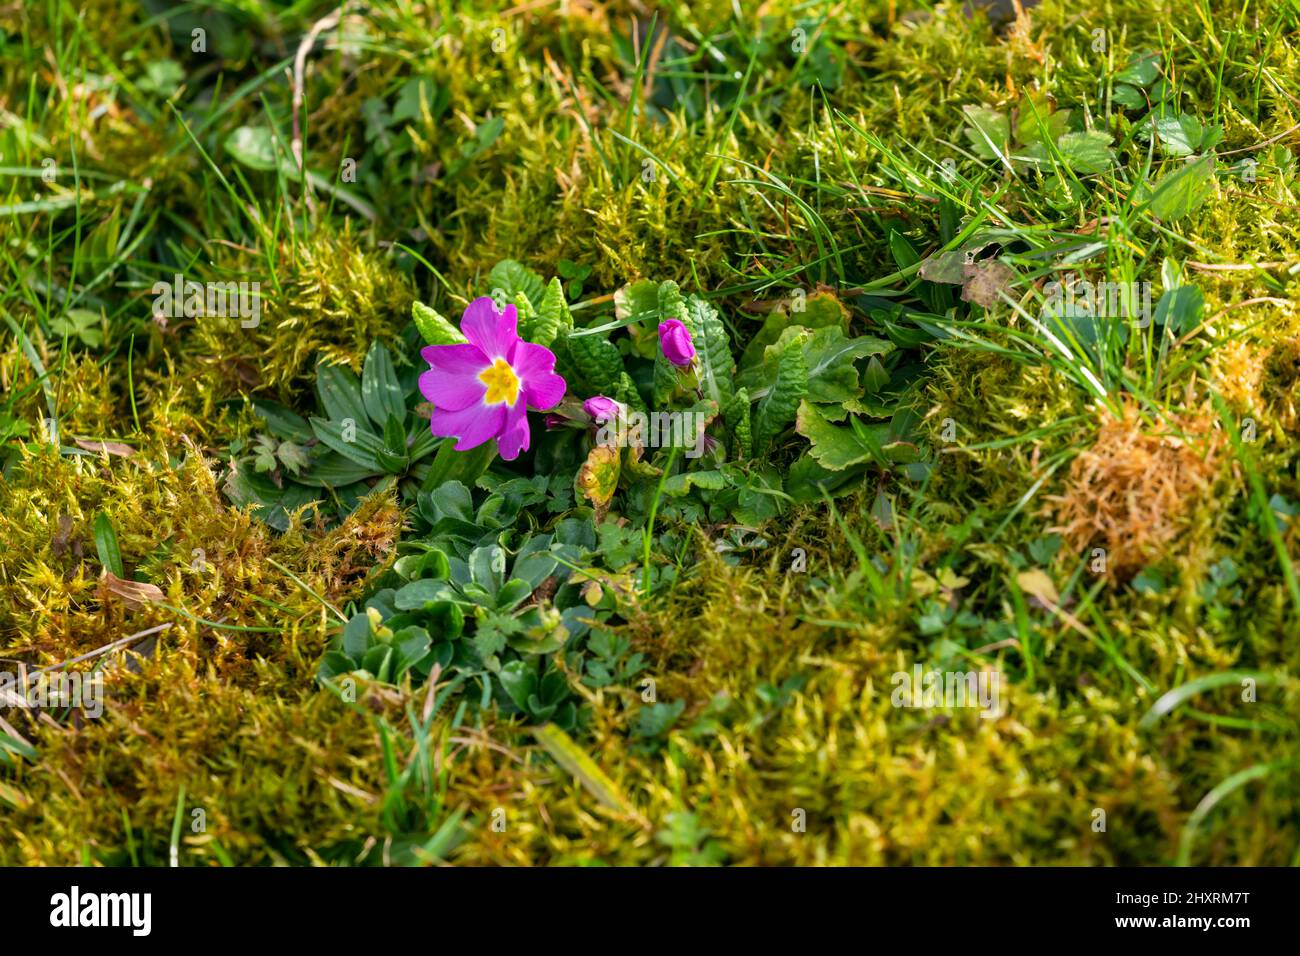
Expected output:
(675, 340)
(602, 409)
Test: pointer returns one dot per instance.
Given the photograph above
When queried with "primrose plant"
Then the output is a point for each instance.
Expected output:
(484, 612)
(366, 439)
(527, 530)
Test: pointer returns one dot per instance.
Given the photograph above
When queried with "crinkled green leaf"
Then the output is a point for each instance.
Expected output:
(717, 368)
(777, 408)
(817, 311)
(737, 419)
(434, 329)
(666, 379)
(552, 319)
(679, 484)
(628, 394)
(597, 361)
(829, 356)
(511, 277)
(525, 314)
(837, 447)
(672, 305)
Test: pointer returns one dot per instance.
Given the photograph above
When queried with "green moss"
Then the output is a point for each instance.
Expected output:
(228, 710)
(982, 400)
(335, 297)
(271, 766)
(878, 784)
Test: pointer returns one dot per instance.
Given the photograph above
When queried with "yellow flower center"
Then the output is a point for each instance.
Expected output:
(502, 384)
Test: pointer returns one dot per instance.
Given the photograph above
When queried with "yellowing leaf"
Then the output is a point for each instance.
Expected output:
(952, 581)
(598, 478)
(1037, 584)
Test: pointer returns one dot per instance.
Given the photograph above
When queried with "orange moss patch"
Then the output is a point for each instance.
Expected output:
(1132, 491)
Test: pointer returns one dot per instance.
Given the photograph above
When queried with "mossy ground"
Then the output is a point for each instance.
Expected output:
(640, 163)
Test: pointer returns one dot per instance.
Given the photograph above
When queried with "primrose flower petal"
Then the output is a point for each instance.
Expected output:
(471, 426)
(514, 436)
(452, 382)
(535, 365)
(492, 331)
(482, 389)
(675, 340)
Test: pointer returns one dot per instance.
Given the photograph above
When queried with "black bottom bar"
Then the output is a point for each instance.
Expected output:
(380, 907)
